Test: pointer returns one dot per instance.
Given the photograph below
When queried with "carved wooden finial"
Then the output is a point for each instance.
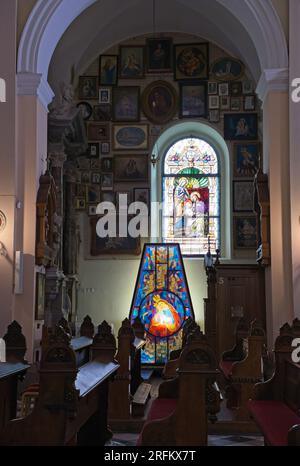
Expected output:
(87, 328)
(15, 343)
(126, 330)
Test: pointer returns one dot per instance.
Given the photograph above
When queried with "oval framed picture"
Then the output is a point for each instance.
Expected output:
(227, 69)
(159, 102)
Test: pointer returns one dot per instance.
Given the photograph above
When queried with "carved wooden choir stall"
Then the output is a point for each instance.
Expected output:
(275, 406)
(179, 416)
(72, 404)
(11, 371)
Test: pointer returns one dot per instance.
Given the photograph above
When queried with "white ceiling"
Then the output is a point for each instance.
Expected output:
(108, 22)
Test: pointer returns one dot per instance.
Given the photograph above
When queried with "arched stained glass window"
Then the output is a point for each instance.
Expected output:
(191, 195)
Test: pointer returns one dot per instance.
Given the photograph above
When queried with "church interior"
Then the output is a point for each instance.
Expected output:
(149, 223)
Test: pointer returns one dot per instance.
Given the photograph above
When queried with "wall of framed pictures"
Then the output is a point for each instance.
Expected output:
(133, 91)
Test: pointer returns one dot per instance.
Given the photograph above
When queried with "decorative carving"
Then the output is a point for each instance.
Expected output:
(87, 328)
(15, 343)
(257, 329)
(138, 328)
(126, 330)
(48, 223)
(262, 209)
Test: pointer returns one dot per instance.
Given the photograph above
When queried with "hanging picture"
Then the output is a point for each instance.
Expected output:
(86, 110)
(191, 61)
(193, 100)
(212, 88)
(108, 196)
(223, 89)
(126, 103)
(214, 102)
(93, 194)
(107, 164)
(214, 116)
(224, 102)
(98, 131)
(249, 102)
(132, 61)
(88, 87)
(243, 196)
(159, 55)
(240, 126)
(159, 102)
(142, 195)
(227, 69)
(131, 168)
(105, 148)
(93, 150)
(113, 245)
(245, 232)
(236, 88)
(246, 159)
(235, 104)
(102, 112)
(130, 137)
(248, 87)
(107, 182)
(95, 178)
(105, 95)
(108, 70)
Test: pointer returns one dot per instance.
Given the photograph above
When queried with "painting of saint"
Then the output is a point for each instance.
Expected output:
(132, 62)
(159, 55)
(246, 159)
(126, 103)
(240, 126)
(191, 61)
(193, 100)
(108, 70)
(159, 102)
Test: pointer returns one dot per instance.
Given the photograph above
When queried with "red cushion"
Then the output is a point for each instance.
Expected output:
(226, 368)
(160, 408)
(274, 418)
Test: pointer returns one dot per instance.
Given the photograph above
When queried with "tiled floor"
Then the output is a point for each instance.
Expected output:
(213, 440)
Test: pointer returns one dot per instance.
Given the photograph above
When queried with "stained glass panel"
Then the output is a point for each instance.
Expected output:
(191, 191)
(161, 300)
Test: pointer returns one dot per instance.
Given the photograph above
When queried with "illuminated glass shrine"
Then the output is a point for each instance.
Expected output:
(161, 300)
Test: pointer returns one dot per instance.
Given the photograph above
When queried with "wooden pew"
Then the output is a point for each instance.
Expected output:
(170, 368)
(275, 404)
(11, 372)
(241, 375)
(129, 377)
(179, 416)
(72, 402)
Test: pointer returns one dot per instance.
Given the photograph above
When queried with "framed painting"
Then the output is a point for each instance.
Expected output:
(132, 62)
(246, 159)
(93, 150)
(86, 110)
(240, 126)
(107, 164)
(126, 103)
(102, 112)
(85, 177)
(214, 116)
(243, 196)
(224, 102)
(92, 209)
(236, 88)
(88, 88)
(80, 204)
(83, 163)
(214, 102)
(248, 87)
(98, 131)
(191, 61)
(227, 69)
(108, 70)
(193, 100)
(212, 88)
(131, 168)
(80, 190)
(245, 232)
(108, 196)
(236, 104)
(95, 178)
(95, 164)
(105, 148)
(105, 95)
(130, 137)
(142, 195)
(249, 103)
(159, 55)
(107, 182)
(93, 194)
(159, 102)
(223, 89)
(112, 245)
(40, 296)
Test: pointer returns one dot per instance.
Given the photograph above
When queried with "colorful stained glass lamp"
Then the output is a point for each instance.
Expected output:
(161, 300)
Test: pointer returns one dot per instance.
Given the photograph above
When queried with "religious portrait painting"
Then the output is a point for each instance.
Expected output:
(243, 196)
(131, 168)
(86, 110)
(93, 150)
(227, 69)
(88, 88)
(102, 112)
(98, 131)
(240, 126)
(159, 55)
(191, 61)
(126, 103)
(159, 102)
(113, 245)
(245, 232)
(132, 62)
(108, 70)
(142, 195)
(193, 100)
(246, 159)
(130, 137)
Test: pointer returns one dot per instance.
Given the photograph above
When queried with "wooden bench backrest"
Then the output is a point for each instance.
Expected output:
(292, 385)
(87, 328)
